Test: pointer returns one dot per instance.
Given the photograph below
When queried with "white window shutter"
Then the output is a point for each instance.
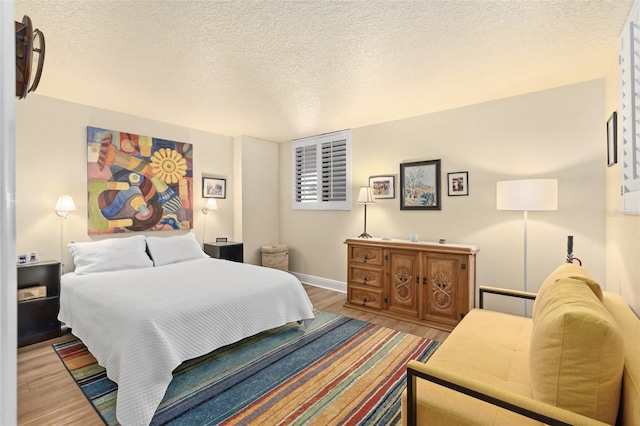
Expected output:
(306, 170)
(322, 172)
(630, 113)
(334, 170)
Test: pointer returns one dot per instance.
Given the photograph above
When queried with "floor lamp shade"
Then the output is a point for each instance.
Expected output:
(527, 194)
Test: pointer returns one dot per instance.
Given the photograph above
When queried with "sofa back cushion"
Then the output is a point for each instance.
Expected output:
(577, 352)
(566, 270)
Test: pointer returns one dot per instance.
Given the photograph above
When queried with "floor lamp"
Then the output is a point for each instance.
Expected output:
(207, 210)
(365, 197)
(527, 195)
(64, 205)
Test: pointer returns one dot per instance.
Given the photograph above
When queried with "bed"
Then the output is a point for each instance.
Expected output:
(141, 323)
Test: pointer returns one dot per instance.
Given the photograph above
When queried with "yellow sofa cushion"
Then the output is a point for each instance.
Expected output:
(486, 346)
(630, 325)
(566, 270)
(576, 354)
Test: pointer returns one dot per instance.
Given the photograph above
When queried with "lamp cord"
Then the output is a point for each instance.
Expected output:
(525, 260)
(61, 244)
(204, 230)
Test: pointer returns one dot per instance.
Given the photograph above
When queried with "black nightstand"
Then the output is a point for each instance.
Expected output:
(229, 250)
(38, 318)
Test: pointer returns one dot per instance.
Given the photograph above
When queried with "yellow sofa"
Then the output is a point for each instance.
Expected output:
(576, 361)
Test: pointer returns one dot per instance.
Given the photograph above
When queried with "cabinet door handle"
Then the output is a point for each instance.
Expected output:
(364, 280)
(424, 280)
(417, 280)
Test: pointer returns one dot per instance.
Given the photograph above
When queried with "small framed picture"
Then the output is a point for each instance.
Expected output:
(384, 186)
(458, 183)
(221, 239)
(612, 139)
(214, 188)
(420, 185)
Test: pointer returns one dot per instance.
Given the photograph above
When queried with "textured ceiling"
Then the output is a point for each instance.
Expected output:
(280, 70)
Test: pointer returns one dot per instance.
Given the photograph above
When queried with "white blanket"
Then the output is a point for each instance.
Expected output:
(141, 324)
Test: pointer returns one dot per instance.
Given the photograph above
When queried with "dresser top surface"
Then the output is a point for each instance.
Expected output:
(407, 244)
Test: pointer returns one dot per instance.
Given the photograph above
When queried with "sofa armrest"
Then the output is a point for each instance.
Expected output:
(519, 404)
(504, 292)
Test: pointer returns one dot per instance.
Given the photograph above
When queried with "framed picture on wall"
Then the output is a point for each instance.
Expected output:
(384, 186)
(458, 183)
(420, 185)
(214, 188)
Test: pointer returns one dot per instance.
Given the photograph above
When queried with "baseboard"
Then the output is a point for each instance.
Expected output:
(322, 282)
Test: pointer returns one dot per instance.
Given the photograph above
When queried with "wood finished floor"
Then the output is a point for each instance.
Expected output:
(47, 395)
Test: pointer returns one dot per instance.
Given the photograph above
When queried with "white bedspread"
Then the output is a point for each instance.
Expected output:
(141, 324)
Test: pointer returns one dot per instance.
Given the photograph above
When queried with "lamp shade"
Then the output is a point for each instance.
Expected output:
(527, 194)
(65, 205)
(211, 205)
(366, 196)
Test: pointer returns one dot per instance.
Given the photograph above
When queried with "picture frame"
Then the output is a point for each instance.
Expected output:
(221, 239)
(420, 185)
(384, 186)
(214, 187)
(458, 183)
(612, 139)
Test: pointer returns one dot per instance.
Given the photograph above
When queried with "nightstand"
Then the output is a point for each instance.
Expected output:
(38, 318)
(228, 251)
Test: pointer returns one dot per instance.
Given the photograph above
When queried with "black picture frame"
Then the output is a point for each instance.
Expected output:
(612, 139)
(457, 183)
(420, 185)
(214, 187)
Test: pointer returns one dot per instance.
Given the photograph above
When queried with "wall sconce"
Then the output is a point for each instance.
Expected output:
(64, 205)
(207, 210)
(524, 195)
(30, 48)
(210, 206)
(365, 197)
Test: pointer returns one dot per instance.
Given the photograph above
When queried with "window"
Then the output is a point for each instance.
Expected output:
(630, 111)
(322, 172)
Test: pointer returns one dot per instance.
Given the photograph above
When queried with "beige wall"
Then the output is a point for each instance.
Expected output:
(51, 159)
(556, 133)
(623, 231)
(258, 219)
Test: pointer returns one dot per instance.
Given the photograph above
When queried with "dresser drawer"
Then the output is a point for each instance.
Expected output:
(365, 297)
(368, 255)
(365, 276)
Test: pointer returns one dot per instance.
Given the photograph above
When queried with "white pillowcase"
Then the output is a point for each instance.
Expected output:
(113, 254)
(166, 250)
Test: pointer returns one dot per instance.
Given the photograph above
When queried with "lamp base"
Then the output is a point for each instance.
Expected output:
(364, 235)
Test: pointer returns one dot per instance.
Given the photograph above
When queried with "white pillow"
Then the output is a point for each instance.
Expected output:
(166, 250)
(113, 254)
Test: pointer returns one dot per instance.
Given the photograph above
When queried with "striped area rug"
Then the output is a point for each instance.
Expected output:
(339, 371)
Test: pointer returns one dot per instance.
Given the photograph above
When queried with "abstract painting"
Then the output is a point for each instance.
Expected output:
(138, 183)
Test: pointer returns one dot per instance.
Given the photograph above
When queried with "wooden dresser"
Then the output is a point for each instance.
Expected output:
(426, 283)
